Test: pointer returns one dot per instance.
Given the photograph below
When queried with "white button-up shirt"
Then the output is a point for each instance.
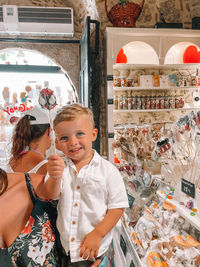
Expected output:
(85, 198)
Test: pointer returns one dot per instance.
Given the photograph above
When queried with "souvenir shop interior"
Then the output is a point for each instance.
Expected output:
(151, 126)
(153, 138)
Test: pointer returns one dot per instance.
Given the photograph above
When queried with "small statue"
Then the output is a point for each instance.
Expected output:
(162, 19)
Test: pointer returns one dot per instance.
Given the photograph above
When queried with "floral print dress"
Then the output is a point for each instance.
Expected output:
(36, 245)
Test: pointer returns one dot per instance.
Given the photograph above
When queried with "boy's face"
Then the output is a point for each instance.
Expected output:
(74, 138)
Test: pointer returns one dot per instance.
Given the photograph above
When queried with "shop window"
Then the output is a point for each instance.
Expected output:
(23, 74)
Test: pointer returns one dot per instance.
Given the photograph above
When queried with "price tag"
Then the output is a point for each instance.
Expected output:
(132, 264)
(109, 78)
(110, 101)
(110, 135)
(130, 201)
(188, 188)
(123, 245)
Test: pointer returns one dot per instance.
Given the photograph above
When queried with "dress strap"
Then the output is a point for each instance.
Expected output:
(38, 166)
(30, 188)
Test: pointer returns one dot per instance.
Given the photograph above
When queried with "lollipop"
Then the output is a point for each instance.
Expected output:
(47, 100)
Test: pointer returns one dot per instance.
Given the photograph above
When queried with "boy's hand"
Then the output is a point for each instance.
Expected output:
(96, 263)
(55, 167)
(90, 245)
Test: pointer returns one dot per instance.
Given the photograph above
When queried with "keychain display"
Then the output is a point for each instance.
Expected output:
(181, 150)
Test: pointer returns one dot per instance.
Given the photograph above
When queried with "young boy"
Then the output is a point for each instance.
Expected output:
(93, 194)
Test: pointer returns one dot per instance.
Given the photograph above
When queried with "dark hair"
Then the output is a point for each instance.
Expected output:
(24, 134)
(3, 181)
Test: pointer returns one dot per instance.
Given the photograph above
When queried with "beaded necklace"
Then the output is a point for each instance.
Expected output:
(36, 151)
(27, 148)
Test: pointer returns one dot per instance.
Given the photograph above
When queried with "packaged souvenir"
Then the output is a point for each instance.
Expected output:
(173, 80)
(146, 80)
(156, 82)
(164, 80)
(155, 260)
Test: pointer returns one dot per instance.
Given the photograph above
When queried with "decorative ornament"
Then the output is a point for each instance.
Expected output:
(191, 55)
(124, 14)
(14, 119)
(121, 57)
(47, 100)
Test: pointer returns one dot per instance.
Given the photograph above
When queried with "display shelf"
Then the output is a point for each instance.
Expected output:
(156, 66)
(155, 88)
(136, 258)
(152, 110)
(128, 74)
(183, 211)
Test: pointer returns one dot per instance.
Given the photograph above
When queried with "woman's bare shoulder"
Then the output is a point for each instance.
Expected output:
(36, 179)
(17, 177)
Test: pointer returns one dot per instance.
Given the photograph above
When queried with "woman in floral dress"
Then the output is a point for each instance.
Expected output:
(27, 225)
(28, 235)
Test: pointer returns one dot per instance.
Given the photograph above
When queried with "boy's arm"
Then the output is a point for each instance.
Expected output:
(50, 189)
(91, 242)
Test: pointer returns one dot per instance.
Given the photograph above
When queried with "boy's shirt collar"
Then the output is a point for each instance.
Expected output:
(94, 160)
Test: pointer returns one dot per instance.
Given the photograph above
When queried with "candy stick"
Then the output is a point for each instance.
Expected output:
(197, 149)
(170, 171)
(194, 164)
(197, 182)
(193, 167)
(190, 148)
(164, 164)
(47, 100)
(179, 161)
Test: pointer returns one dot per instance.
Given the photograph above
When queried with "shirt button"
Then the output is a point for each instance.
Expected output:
(75, 205)
(78, 187)
(72, 239)
(73, 222)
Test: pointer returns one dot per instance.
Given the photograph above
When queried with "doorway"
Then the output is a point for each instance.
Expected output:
(23, 74)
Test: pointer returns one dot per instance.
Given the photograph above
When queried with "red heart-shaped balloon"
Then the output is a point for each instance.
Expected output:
(191, 55)
(121, 57)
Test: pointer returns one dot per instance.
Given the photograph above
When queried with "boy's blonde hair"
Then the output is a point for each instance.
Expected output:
(71, 112)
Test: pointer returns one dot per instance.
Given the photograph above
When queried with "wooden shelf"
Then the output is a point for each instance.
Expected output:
(135, 255)
(156, 66)
(155, 88)
(153, 110)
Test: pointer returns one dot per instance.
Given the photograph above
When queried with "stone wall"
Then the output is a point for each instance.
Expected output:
(67, 55)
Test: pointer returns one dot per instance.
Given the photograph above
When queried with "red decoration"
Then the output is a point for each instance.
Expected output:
(121, 57)
(14, 119)
(191, 55)
(20, 108)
